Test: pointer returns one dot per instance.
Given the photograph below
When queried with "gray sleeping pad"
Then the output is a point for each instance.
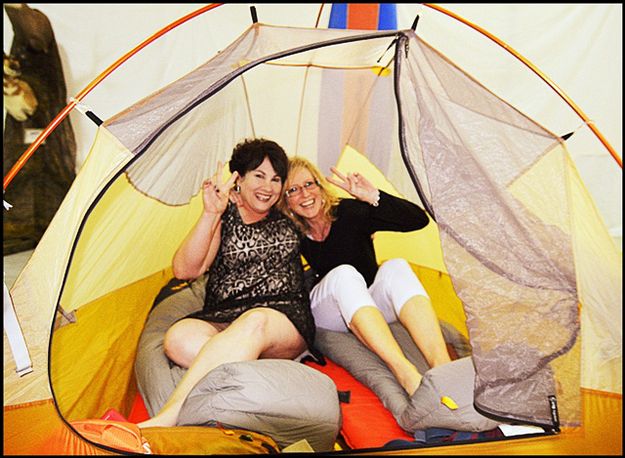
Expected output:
(424, 408)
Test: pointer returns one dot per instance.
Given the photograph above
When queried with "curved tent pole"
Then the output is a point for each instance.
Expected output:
(63, 113)
(74, 101)
(559, 91)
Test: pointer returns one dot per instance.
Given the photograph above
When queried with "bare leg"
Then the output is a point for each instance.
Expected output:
(185, 338)
(369, 325)
(258, 332)
(419, 318)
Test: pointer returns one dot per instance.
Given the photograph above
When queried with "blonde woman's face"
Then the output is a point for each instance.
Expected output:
(303, 194)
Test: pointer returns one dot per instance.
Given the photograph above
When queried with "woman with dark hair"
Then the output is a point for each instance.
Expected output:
(255, 304)
(352, 293)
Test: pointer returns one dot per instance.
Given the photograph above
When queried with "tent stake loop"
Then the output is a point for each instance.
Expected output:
(84, 109)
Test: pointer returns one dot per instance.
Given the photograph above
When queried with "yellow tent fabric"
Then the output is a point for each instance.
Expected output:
(108, 248)
(37, 430)
(601, 435)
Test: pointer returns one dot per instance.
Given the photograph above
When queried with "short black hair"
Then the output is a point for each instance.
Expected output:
(250, 153)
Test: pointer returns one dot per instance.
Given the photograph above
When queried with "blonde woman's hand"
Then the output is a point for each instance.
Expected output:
(357, 185)
(215, 191)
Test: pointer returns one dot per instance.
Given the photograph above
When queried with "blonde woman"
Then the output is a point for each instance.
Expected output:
(351, 292)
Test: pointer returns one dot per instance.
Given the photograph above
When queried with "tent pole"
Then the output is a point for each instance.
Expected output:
(63, 113)
(74, 101)
(535, 69)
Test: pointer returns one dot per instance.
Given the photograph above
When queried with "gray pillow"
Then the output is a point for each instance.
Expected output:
(283, 399)
(424, 409)
(454, 381)
(156, 375)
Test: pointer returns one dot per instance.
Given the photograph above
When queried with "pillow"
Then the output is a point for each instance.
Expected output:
(347, 351)
(156, 375)
(280, 398)
(283, 399)
(453, 381)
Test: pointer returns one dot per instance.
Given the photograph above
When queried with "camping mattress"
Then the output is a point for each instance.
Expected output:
(371, 395)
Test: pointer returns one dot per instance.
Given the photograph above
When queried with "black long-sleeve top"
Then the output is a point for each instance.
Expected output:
(349, 240)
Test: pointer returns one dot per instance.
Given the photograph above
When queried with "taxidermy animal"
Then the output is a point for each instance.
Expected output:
(19, 98)
(34, 93)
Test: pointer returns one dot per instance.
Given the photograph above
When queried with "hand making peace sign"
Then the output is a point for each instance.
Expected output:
(216, 191)
(357, 185)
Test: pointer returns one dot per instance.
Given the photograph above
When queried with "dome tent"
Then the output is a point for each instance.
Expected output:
(518, 232)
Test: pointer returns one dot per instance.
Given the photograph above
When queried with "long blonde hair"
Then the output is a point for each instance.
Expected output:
(329, 200)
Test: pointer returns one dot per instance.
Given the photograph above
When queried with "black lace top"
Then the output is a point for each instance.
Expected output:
(258, 265)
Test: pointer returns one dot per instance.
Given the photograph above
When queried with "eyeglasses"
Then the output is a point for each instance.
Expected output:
(296, 190)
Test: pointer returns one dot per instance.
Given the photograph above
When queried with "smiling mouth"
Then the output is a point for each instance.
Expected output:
(263, 197)
(307, 203)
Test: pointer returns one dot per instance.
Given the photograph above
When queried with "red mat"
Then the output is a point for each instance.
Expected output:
(366, 422)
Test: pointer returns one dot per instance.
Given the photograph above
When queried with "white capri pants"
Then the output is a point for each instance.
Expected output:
(337, 297)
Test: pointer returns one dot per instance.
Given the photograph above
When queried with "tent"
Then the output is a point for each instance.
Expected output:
(516, 229)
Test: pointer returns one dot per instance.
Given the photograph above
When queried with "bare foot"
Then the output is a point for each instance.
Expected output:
(164, 418)
(440, 360)
(412, 387)
(409, 378)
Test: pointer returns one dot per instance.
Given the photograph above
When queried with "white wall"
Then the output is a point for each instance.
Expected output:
(578, 46)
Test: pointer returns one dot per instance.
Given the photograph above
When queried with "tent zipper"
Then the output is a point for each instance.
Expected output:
(402, 42)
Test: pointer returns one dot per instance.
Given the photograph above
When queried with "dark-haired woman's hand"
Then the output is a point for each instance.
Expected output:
(216, 191)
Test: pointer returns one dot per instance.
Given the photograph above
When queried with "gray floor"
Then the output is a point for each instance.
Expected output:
(13, 265)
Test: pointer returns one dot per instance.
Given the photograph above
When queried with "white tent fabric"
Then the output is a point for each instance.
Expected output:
(15, 336)
(579, 46)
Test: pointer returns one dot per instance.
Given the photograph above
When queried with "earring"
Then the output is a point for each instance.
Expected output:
(237, 188)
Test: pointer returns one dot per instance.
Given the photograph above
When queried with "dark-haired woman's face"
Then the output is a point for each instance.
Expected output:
(260, 188)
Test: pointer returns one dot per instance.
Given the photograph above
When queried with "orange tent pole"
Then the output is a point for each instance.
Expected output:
(57, 120)
(561, 93)
(70, 106)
